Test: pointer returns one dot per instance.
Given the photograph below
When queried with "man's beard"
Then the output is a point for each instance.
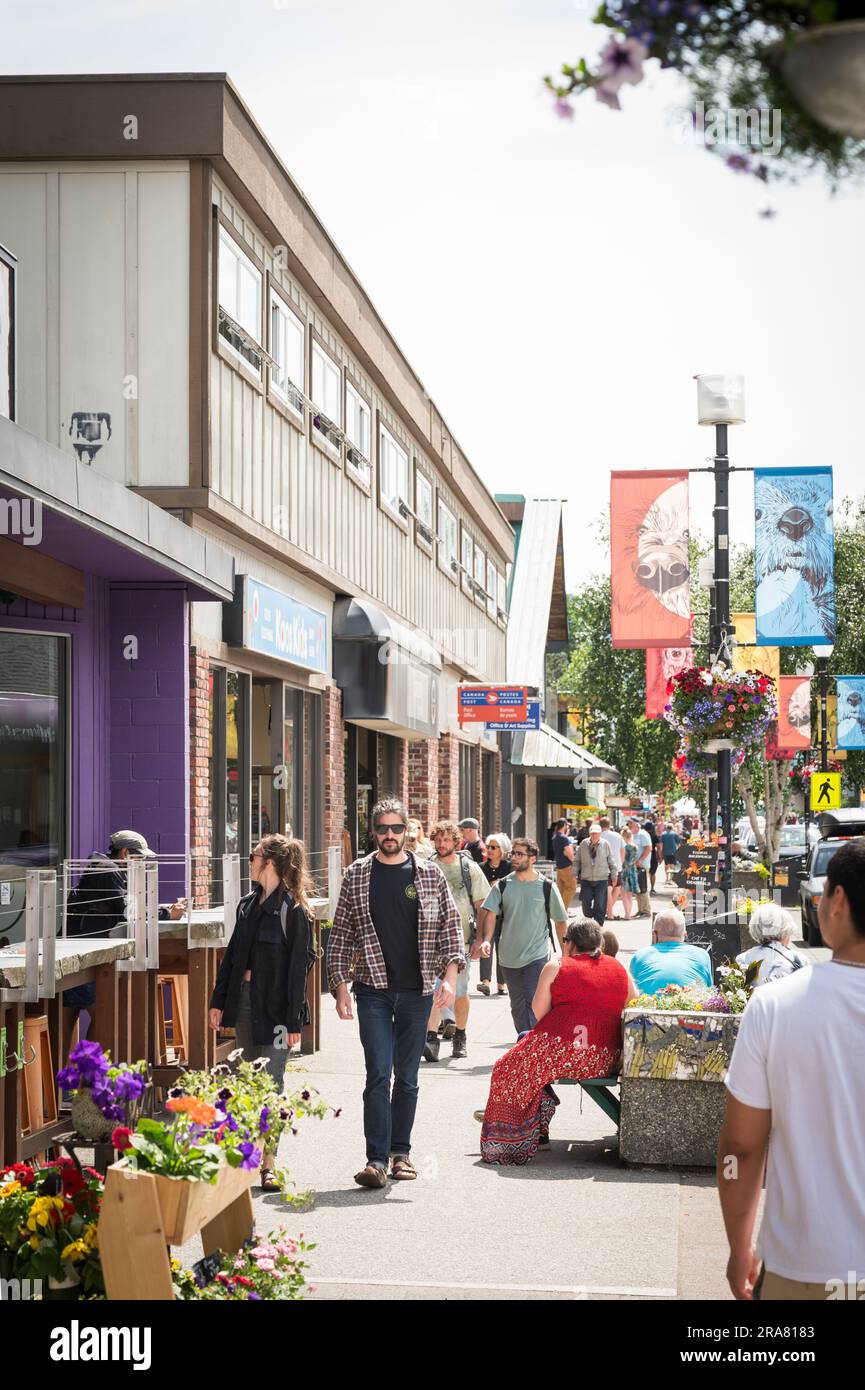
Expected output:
(390, 851)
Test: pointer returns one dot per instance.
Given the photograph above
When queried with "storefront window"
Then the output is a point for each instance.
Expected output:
(289, 763)
(230, 774)
(33, 716)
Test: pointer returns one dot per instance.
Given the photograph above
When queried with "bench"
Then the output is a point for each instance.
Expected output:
(598, 1088)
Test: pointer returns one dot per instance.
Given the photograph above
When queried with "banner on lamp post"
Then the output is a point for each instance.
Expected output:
(794, 545)
(662, 664)
(850, 691)
(747, 656)
(650, 575)
(794, 712)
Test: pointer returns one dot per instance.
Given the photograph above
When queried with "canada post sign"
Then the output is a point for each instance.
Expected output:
(278, 626)
(481, 704)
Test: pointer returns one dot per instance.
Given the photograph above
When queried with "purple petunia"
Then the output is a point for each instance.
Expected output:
(128, 1086)
(264, 1120)
(251, 1155)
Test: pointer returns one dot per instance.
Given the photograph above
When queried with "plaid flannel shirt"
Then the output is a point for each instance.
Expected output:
(353, 948)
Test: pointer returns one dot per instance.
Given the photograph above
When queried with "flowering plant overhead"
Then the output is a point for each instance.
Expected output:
(736, 60)
(801, 773)
(719, 704)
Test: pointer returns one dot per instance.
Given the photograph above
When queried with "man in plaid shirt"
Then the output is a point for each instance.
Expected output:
(396, 930)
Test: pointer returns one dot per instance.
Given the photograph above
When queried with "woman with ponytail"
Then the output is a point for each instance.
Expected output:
(260, 990)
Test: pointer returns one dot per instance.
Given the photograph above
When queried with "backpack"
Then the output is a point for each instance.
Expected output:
(548, 889)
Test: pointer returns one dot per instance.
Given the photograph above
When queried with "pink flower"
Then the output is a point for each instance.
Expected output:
(622, 61)
(564, 109)
(608, 96)
(266, 1265)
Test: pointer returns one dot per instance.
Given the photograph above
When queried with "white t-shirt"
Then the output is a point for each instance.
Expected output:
(799, 1054)
(616, 843)
(643, 841)
(776, 961)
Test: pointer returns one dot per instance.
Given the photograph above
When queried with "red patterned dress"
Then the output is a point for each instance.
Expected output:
(580, 1037)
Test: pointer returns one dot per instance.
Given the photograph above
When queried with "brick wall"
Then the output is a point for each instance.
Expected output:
(422, 775)
(333, 771)
(449, 778)
(199, 776)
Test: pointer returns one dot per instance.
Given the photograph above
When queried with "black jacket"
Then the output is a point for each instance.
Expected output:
(278, 963)
(98, 901)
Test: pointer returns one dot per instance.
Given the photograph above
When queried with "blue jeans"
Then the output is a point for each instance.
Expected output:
(593, 899)
(393, 1027)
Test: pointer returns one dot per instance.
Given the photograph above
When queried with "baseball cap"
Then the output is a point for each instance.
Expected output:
(131, 840)
(468, 823)
(595, 829)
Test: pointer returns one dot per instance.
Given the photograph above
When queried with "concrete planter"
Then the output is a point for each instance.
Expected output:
(825, 70)
(673, 1096)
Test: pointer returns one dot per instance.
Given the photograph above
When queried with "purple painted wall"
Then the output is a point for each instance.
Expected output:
(148, 719)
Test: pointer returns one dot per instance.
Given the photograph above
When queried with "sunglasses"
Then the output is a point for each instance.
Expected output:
(397, 828)
(258, 855)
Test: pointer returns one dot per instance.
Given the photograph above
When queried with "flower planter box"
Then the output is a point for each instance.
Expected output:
(673, 1097)
(143, 1213)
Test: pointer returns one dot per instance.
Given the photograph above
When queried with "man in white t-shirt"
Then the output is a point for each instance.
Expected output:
(643, 844)
(797, 1086)
(617, 846)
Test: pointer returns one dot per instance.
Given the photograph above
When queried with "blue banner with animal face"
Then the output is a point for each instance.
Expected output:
(851, 711)
(794, 554)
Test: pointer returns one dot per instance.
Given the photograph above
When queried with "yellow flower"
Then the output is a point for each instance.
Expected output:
(9, 1189)
(35, 1242)
(91, 1235)
(42, 1218)
(75, 1250)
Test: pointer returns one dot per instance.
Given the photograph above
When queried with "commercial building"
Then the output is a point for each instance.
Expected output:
(186, 331)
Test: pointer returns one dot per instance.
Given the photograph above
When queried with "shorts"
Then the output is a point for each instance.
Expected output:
(82, 997)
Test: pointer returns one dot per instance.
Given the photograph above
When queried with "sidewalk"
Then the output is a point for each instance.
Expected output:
(573, 1223)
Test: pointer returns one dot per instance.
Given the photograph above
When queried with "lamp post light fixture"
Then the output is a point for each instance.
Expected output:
(721, 402)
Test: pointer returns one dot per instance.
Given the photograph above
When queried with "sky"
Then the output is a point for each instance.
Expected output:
(554, 284)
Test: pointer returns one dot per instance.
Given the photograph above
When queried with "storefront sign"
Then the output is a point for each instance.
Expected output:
(264, 620)
(532, 721)
(506, 703)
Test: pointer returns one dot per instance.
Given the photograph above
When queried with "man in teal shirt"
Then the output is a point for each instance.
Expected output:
(670, 960)
(524, 947)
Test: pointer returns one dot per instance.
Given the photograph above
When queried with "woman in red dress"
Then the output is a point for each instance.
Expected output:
(578, 1005)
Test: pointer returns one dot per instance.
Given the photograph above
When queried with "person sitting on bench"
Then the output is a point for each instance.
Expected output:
(578, 1005)
(670, 960)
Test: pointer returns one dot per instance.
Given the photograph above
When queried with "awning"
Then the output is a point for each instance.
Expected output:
(545, 753)
(90, 524)
(389, 675)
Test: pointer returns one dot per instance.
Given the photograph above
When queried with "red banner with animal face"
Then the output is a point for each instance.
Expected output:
(651, 580)
(662, 664)
(794, 712)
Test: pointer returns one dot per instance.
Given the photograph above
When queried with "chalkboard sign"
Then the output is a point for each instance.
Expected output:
(721, 939)
(702, 862)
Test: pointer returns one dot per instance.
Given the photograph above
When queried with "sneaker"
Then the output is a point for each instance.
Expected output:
(447, 1029)
(431, 1047)
(459, 1043)
(373, 1175)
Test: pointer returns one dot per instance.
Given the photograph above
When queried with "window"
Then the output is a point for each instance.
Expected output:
(358, 432)
(7, 334)
(34, 719)
(480, 574)
(423, 508)
(286, 349)
(326, 393)
(491, 589)
(468, 779)
(467, 561)
(393, 472)
(239, 301)
(229, 772)
(502, 598)
(447, 540)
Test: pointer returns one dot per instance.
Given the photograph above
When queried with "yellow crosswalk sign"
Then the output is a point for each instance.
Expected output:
(825, 791)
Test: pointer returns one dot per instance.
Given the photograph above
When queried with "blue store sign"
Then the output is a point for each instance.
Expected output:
(532, 721)
(272, 623)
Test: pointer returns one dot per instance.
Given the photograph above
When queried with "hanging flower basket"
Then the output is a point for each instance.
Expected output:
(720, 708)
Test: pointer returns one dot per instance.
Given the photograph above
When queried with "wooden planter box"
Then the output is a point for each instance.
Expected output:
(673, 1097)
(143, 1213)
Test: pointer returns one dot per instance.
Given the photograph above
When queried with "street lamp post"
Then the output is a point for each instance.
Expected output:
(721, 402)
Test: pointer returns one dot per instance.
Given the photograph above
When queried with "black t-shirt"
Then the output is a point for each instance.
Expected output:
(560, 844)
(476, 850)
(393, 906)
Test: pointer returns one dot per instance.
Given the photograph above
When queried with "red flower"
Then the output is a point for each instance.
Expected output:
(120, 1137)
(23, 1173)
(243, 1281)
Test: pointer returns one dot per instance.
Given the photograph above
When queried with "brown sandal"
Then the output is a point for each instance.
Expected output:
(371, 1176)
(402, 1169)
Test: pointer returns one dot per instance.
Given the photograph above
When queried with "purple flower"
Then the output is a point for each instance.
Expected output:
(263, 1120)
(622, 61)
(740, 163)
(128, 1086)
(253, 1298)
(564, 109)
(90, 1062)
(251, 1155)
(609, 96)
(67, 1078)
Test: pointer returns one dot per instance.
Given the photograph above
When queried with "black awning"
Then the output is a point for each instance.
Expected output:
(389, 675)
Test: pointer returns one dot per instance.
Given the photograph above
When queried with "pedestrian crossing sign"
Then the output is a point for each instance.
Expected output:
(825, 791)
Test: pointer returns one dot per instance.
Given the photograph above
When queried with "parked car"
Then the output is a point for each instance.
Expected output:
(841, 827)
